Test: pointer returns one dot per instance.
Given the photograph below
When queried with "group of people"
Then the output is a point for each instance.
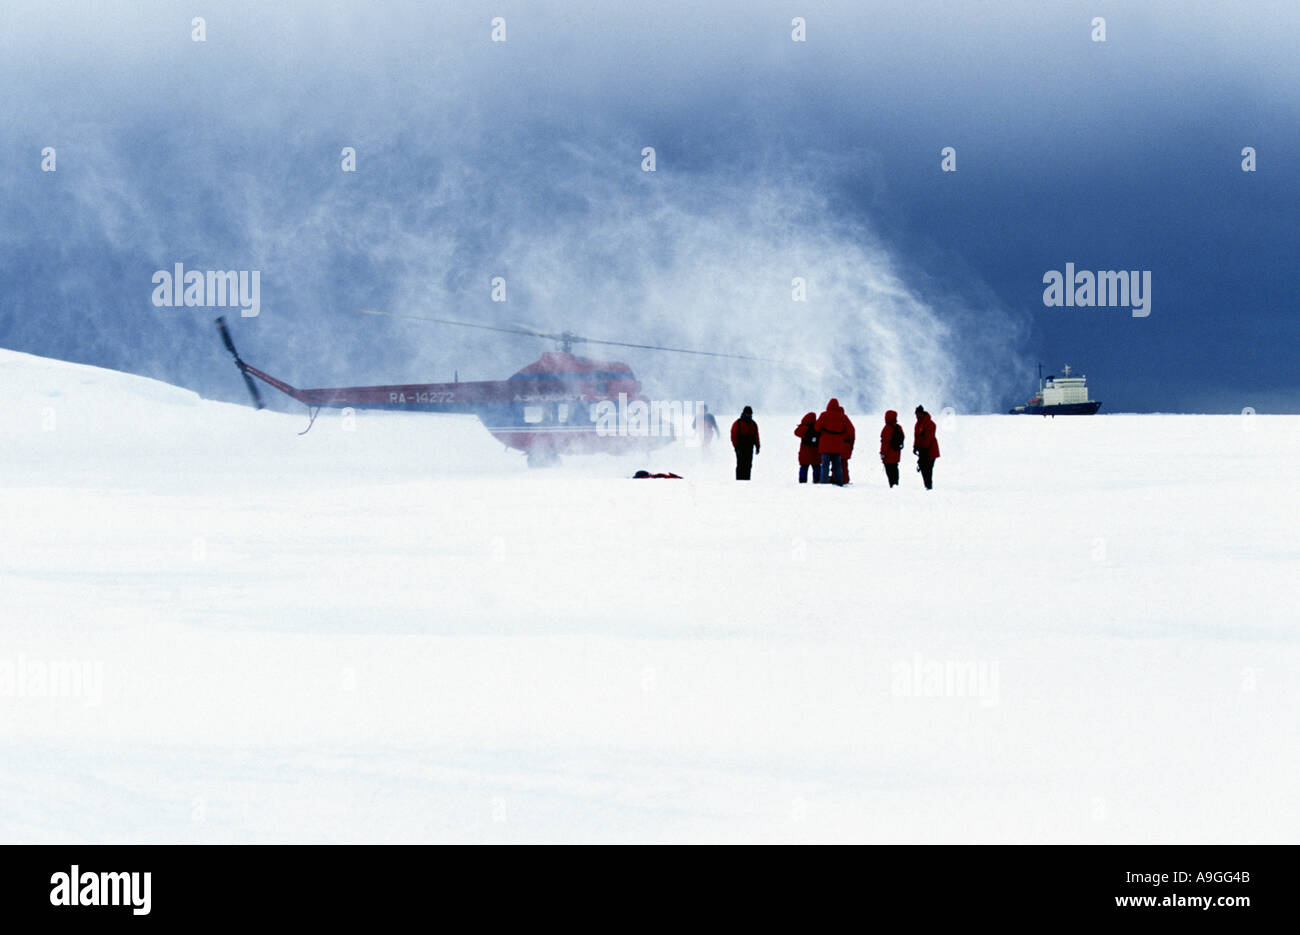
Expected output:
(826, 445)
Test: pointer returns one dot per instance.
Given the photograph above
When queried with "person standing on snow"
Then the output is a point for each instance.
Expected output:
(925, 446)
(806, 432)
(892, 440)
(849, 438)
(707, 428)
(834, 438)
(744, 438)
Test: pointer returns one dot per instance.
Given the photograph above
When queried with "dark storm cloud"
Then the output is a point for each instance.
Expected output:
(523, 160)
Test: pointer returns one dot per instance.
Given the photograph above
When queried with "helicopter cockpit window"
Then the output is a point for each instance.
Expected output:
(533, 414)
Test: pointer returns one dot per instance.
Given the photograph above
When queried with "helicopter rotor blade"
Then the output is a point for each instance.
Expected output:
(464, 324)
(674, 350)
(571, 338)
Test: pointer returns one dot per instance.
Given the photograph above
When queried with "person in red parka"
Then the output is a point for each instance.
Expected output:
(891, 446)
(925, 446)
(744, 438)
(834, 438)
(806, 432)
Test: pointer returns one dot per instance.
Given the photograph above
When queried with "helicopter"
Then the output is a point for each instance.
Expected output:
(559, 404)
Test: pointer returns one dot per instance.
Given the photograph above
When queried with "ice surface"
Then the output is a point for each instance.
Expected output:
(1086, 632)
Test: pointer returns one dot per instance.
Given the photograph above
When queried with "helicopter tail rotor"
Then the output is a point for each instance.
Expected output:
(243, 367)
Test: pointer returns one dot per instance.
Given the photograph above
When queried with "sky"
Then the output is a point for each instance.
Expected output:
(774, 160)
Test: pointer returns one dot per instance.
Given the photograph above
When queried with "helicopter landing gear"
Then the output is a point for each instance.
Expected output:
(312, 413)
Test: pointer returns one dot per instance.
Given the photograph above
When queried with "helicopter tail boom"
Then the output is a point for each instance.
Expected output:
(424, 397)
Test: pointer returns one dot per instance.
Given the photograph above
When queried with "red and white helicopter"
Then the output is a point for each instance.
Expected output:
(546, 409)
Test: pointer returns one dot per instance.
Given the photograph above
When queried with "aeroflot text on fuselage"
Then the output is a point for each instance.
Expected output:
(212, 288)
(1106, 288)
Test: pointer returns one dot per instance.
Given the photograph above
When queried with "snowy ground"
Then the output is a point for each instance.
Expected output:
(217, 631)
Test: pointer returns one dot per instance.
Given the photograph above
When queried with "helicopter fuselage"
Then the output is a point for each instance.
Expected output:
(548, 409)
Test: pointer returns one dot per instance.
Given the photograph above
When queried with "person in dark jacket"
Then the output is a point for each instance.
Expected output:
(925, 446)
(806, 432)
(849, 438)
(891, 446)
(834, 438)
(744, 438)
(707, 428)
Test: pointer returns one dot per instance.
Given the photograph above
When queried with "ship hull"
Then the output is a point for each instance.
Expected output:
(1064, 409)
